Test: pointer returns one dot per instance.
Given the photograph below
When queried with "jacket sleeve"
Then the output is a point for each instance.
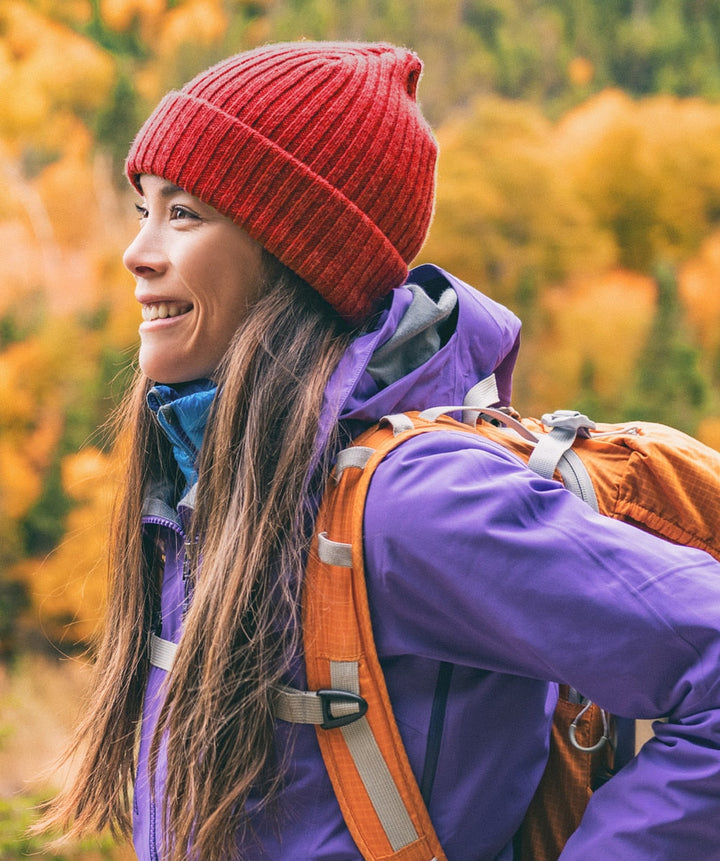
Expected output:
(473, 559)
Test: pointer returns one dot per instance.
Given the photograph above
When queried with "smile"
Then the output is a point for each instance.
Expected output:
(163, 310)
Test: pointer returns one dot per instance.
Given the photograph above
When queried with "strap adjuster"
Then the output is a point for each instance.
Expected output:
(570, 420)
(329, 697)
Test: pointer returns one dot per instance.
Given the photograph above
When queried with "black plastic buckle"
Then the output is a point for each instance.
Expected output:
(329, 697)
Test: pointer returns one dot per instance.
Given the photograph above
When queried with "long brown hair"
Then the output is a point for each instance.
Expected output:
(260, 476)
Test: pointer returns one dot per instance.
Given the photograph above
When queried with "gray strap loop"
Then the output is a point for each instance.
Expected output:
(162, 652)
(433, 413)
(566, 426)
(399, 423)
(601, 742)
(554, 452)
(355, 456)
(334, 552)
(483, 394)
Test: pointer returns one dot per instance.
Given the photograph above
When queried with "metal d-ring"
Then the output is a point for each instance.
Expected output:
(600, 743)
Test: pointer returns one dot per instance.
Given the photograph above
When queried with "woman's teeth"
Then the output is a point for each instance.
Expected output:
(162, 310)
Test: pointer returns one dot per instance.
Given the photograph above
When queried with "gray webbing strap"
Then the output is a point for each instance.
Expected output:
(554, 452)
(577, 479)
(295, 706)
(482, 394)
(307, 707)
(374, 773)
(508, 421)
(433, 414)
(399, 423)
(313, 707)
(162, 652)
(324, 707)
(550, 448)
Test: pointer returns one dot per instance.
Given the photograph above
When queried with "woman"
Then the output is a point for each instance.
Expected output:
(283, 194)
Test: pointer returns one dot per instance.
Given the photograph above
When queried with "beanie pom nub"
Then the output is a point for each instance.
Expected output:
(317, 149)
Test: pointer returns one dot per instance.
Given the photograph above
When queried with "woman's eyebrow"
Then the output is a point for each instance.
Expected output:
(167, 189)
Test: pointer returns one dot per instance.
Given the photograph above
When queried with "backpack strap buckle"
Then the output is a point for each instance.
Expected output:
(352, 707)
(328, 708)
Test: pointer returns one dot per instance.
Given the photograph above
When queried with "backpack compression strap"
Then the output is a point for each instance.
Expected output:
(551, 451)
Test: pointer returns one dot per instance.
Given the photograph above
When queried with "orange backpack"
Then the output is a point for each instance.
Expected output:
(649, 475)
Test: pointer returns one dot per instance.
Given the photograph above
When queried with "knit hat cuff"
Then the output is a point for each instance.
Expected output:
(292, 211)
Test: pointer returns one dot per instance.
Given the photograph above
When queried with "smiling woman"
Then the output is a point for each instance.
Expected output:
(284, 193)
(196, 273)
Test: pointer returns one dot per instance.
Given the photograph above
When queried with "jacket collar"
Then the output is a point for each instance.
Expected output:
(182, 412)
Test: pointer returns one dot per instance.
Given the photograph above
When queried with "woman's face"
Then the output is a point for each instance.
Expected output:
(196, 274)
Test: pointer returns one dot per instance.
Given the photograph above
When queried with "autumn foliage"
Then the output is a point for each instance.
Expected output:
(587, 202)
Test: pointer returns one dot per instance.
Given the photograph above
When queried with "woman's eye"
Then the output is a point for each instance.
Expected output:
(180, 212)
(176, 212)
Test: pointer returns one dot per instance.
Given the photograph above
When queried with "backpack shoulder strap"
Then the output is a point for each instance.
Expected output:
(347, 698)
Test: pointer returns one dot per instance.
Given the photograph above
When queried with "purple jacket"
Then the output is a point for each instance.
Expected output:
(472, 559)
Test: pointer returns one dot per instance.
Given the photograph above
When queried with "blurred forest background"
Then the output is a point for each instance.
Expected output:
(579, 183)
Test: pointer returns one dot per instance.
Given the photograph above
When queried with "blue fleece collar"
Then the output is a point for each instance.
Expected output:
(182, 411)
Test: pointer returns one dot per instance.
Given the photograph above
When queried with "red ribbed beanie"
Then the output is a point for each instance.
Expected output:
(317, 149)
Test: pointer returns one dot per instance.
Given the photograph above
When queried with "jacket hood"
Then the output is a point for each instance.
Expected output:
(433, 360)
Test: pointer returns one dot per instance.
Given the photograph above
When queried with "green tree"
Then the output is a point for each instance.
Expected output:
(669, 386)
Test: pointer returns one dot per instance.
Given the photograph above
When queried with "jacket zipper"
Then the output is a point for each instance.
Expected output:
(175, 527)
(152, 831)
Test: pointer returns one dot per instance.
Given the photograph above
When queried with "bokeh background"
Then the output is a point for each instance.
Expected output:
(579, 183)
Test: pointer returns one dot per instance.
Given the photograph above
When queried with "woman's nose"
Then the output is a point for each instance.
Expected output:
(144, 255)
